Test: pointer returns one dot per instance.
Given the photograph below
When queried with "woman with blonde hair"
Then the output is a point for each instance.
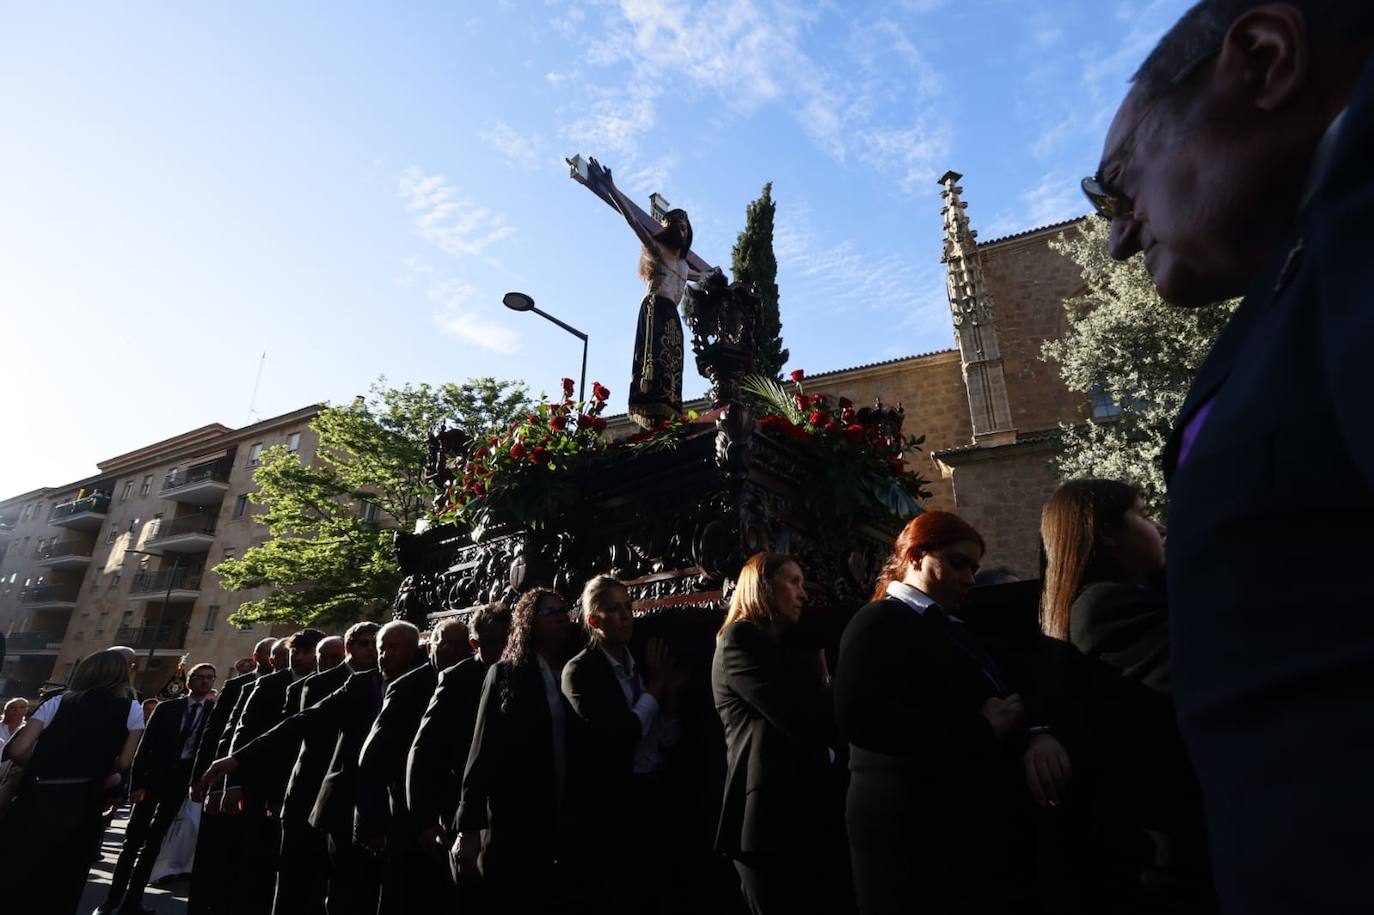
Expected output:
(1105, 676)
(776, 712)
(73, 747)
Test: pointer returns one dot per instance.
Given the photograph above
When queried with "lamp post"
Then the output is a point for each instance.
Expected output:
(518, 301)
(166, 599)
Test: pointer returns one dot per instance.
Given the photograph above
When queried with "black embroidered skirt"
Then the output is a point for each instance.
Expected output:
(656, 371)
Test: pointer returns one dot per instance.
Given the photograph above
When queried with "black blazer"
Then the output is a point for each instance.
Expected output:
(157, 763)
(434, 770)
(777, 728)
(381, 807)
(208, 750)
(609, 732)
(1269, 581)
(907, 699)
(349, 712)
(510, 784)
(264, 706)
(317, 747)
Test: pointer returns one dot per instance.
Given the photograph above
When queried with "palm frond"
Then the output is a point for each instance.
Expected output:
(771, 392)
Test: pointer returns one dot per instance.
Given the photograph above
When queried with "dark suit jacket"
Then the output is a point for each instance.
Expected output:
(157, 762)
(349, 711)
(434, 771)
(510, 784)
(1270, 589)
(317, 746)
(610, 731)
(777, 726)
(381, 806)
(208, 750)
(265, 707)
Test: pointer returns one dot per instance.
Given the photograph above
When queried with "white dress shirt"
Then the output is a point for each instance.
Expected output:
(657, 731)
(553, 692)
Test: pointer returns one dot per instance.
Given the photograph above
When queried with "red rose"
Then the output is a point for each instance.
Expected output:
(797, 375)
(480, 453)
(846, 403)
(598, 424)
(559, 423)
(818, 417)
(833, 426)
(847, 416)
(855, 433)
(599, 392)
(539, 455)
(567, 387)
(802, 401)
(493, 442)
(818, 398)
(517, 451)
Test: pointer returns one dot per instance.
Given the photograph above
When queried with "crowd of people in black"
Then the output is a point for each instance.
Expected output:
(519, 761)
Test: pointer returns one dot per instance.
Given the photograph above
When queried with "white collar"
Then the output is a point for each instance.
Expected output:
(914, 598)
(628, 668)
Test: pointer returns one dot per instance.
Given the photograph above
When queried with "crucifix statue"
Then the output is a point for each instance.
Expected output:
(666, 264)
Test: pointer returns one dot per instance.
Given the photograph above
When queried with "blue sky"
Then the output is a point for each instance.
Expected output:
(352, 187)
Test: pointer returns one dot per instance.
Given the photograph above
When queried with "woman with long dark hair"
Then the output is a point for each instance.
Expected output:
(517, 782)
(73, 748)
(936, 735)
(775, 709)
(1108, 693)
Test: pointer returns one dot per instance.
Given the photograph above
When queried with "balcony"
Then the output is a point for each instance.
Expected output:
(204, 484)
(166, 584)
(69, 554)
(33, 643)
(81, 514)
(6, 526)
(154, 637)
(50, 597)
(188, 534)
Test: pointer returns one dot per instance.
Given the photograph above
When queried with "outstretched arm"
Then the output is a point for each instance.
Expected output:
(600, 175)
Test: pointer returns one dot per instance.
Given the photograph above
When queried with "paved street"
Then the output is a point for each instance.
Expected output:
(170, 900)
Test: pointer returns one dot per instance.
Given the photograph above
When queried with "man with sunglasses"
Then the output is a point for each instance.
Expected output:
(1242, 163)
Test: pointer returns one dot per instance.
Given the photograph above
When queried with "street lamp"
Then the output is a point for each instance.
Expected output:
(518, 301)
(167, 598)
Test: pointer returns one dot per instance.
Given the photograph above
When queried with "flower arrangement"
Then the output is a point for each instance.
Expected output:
(862, 453)
(522, 475)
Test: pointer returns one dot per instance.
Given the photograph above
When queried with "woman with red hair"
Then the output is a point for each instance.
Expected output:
(935, 733)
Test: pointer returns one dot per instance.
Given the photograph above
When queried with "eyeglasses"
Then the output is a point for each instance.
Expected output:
(1111, 202)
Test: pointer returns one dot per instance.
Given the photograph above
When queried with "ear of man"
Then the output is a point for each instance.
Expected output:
(1265, 60)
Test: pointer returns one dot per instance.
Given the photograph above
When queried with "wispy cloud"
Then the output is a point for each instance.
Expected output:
(517, 148)
(454, 225)
(458, 318)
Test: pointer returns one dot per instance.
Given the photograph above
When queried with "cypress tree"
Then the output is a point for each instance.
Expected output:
(753, 264)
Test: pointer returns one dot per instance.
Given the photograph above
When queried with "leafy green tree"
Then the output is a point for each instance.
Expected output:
(753, 263)
(1125, 342)
(330, 557)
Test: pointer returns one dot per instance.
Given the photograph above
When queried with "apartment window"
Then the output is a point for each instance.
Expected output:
(128, 490)
(147, 486)
(127, 619)
(114, 580)
(211, 616)
(113, 532)
(133, 527)
(230, 553)
(28, 511)
(370, 511)
(254, 453)
(293, 442)
(1104, 406)
(245, 627)
(240, 507)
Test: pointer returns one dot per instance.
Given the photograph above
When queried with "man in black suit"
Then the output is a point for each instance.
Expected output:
(434, 770)
(259, 799)
(1240, 163)
(302, 878)
(215, 836)
(157, 786)
(348, 712)
(381, 822)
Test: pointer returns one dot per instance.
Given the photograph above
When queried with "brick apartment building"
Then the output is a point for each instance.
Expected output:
(123, 557)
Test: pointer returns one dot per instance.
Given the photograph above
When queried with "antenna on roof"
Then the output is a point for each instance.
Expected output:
(253, 401)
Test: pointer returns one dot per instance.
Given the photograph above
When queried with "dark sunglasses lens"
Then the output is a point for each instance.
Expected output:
(1106, 204)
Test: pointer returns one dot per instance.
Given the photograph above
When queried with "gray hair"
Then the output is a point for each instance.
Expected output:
(450, 623)
(410, 628)
(1199, 33)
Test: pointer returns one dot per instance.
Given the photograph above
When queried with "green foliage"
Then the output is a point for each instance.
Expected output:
(324, 562)
(754, 265)
(1125, 341)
